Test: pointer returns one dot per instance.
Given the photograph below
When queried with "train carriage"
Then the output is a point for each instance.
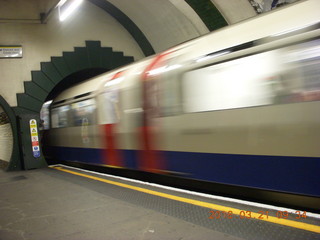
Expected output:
(237, 108)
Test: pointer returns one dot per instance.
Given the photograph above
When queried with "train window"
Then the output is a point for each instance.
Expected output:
(83, 113)
(238, 83)
(59, 116)
(302, 72)
(285, 75)
(169, 94)
(110, 113)
(45, 115)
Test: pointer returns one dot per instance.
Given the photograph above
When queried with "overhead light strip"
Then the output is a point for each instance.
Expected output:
(66, 7)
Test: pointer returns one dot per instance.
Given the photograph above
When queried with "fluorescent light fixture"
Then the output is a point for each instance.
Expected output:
(61, 3)
(66, 7)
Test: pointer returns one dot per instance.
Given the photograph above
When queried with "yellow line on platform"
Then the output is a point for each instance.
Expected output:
(235, 211)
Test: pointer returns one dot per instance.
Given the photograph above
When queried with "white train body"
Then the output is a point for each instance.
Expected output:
(240, 106)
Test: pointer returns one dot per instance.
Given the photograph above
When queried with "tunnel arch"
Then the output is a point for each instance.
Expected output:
(75, 78)
(46, 80)
(52, 73)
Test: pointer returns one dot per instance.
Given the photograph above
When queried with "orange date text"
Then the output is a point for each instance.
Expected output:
(215, 214)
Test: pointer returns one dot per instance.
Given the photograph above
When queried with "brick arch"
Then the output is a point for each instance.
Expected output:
(53, 72)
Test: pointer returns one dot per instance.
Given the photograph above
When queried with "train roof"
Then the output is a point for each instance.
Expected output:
(284, 19)
(287, 18)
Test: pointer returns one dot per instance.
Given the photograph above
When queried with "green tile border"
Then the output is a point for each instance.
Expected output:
(128, 24)
(52, 73)
(208, 13)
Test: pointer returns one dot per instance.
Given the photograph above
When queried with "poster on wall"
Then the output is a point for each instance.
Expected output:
(262, 6)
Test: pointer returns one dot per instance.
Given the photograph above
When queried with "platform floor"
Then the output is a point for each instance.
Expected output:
(67, 203)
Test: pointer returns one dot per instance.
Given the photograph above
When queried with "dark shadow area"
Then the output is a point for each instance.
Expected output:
(74, 79)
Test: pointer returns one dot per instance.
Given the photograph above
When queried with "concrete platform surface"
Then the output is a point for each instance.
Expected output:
(44, 204)
(71, 204)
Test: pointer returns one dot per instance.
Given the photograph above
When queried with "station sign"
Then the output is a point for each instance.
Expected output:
(34, 138)
(10, 51)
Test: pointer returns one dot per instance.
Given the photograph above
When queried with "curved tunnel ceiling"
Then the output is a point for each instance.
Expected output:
(158, 25)
(127, 23)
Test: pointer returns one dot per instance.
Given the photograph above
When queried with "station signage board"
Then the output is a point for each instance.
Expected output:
(10, 51)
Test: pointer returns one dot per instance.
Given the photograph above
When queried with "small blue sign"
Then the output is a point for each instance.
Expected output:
(36, 154)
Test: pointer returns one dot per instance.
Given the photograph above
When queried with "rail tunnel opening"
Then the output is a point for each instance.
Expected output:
(58, 74)
(74, 78)
(70, 80)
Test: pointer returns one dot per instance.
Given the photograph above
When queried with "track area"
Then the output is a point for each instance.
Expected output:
(68, 203)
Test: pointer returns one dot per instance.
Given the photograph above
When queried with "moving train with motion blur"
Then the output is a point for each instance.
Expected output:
(237, 109)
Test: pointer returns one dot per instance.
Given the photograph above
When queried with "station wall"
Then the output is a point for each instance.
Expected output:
(42, 41)
(20, 25)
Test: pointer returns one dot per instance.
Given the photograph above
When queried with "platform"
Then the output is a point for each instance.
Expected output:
(61, 202)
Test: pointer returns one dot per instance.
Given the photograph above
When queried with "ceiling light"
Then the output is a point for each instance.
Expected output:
(66, 7)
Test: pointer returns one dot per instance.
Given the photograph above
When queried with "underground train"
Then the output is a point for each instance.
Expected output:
(237, 108)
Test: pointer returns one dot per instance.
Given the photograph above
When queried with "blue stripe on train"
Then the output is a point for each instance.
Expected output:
(278, 173)
(90, 155)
